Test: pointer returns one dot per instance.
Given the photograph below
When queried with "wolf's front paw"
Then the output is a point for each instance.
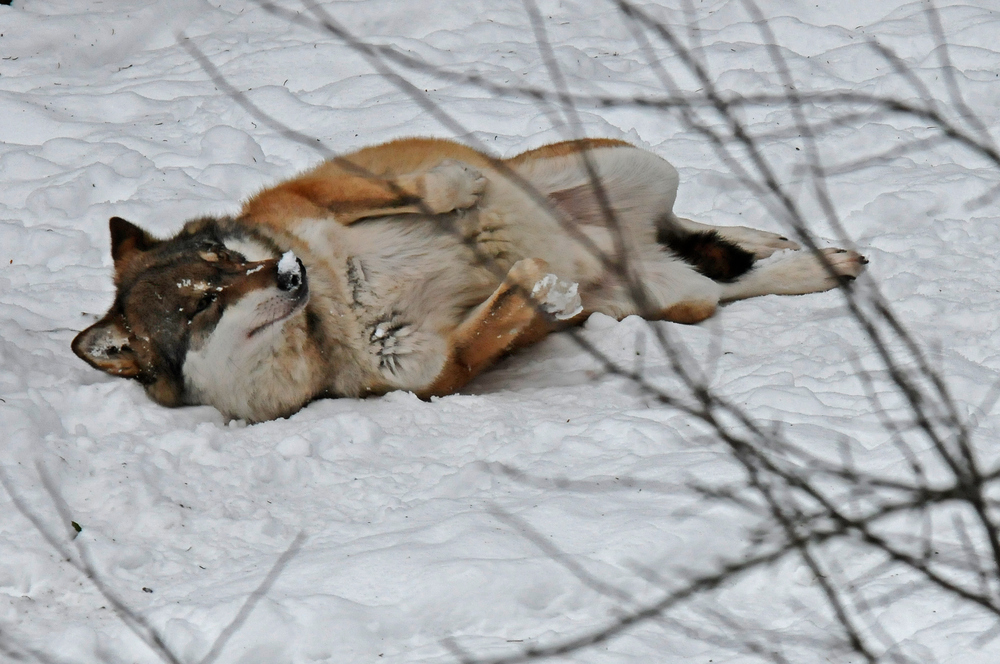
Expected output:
(558, 297)
(452, 185)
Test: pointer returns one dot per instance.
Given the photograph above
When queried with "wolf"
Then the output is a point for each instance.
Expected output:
(415, 265)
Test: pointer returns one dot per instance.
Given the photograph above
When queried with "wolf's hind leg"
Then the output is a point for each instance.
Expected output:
(797, 274)
(663, 288)
(761, 243)
(680, 295)
(522, 310)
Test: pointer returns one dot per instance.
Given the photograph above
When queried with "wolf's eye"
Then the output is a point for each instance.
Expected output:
(205, 303)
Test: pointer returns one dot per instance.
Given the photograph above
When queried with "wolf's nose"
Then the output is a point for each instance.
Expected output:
(291, 277)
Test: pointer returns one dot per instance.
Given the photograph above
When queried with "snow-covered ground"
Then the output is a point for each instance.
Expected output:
(102, 113)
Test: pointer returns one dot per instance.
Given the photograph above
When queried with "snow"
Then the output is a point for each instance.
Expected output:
(558, 297)
(289, 264)
(416, 527)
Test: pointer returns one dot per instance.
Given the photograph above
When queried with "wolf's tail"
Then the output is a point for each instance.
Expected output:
(706, 251)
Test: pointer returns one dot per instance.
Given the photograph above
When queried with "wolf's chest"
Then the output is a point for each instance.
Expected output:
(410, 283)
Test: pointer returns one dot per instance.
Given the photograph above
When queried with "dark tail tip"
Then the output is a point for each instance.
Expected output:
(706, 251)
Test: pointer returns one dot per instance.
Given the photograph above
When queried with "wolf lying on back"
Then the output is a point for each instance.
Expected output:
(357, 280)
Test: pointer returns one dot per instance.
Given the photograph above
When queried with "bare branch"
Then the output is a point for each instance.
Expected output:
(134, 621)
(251, 601)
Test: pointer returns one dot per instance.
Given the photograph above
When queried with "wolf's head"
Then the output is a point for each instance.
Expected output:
(197, 318)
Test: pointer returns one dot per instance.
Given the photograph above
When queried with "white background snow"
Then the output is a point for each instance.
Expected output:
(102, 113)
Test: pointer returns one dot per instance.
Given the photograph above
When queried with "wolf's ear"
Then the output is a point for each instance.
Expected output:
(105, 346)
(127, 239)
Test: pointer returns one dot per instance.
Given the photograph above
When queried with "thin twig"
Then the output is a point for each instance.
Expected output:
(251, 601)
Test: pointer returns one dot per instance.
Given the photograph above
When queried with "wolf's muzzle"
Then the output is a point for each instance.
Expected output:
(293, 280)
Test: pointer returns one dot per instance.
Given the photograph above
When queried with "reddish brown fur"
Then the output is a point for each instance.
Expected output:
(334, 189)
(506, 321)
(688, 313)
(330, 347)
